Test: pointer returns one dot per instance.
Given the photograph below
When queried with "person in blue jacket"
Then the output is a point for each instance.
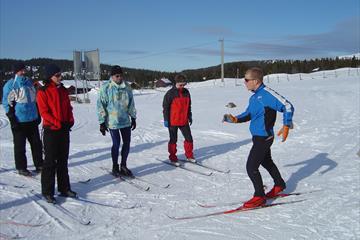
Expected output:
(19, 102)
(261, 112)
(117, 114)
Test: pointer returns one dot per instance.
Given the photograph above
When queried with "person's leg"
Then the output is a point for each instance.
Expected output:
(19, 139)
(63, 178)
(115, 136)
(255, 158)
(36, 145)
(49, 165)
(188, 143)
(126, 138)
(172, 143)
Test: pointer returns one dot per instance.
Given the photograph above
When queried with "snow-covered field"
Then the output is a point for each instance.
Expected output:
(319, 157)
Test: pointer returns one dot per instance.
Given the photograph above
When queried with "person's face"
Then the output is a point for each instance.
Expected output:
(117, 78)
(56, 78)
(21, 72)
(251, 83)
(180, 85)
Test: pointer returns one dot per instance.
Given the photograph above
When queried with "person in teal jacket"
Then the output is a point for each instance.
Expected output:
(19, 102)
(117, 114)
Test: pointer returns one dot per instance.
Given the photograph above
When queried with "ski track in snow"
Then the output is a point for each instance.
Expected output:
(320, 154)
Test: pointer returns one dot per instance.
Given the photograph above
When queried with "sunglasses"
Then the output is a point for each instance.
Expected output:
(58, 75)
(247, 80)
(117, 75)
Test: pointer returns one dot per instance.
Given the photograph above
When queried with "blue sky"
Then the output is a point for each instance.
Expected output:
(176, 35)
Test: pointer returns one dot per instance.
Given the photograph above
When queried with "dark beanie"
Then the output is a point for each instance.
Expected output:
(116, 69)
(180, 78)
(51, 70)
(18, 66)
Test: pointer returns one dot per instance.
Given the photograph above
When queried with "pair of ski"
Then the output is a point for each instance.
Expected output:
(183, 166)
(239, 209)
(132, 181)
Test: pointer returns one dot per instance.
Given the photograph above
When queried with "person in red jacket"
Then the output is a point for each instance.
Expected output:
(177, 115)
(56, 112)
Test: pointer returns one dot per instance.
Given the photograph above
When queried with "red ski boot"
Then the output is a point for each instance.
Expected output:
(274, 192)
(255, 202)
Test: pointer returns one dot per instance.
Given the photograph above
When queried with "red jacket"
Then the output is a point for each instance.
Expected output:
(177, 107)
(54, 106)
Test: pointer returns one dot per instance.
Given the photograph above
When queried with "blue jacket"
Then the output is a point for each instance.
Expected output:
(115, 105)
(21, 90)
(262, 111)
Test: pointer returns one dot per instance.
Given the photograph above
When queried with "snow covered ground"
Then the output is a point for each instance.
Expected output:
(319, 157)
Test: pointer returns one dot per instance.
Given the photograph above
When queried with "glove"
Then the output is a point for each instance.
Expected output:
(166, 124)
(190, 121)
(103, 129)
(66, 126)
(284, 131)
(133, 123)
(229, 118)
(12, 118)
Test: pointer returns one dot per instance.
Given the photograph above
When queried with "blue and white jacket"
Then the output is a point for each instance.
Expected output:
(21, 90)
(262, 111)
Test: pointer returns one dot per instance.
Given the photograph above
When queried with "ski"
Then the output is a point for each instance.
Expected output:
(64, 210)
(235, 210)
(128, 180)
(10, 222)
(6, 237)
(185, 168)
(206, 166)
(280, 195)
(84, 181)
(81, 199)
(152, 183)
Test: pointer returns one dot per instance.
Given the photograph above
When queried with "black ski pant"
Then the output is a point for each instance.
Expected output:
(260, 154)
(56, 144)
(185, 130)
(125, 149)
(29, 131)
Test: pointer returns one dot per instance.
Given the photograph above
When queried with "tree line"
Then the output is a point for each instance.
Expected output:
(145, 78)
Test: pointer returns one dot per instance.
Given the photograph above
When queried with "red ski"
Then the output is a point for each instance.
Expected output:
(235, 210)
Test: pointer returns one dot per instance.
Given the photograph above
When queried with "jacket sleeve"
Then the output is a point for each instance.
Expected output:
(244, 117)
(132, 109)
(101, 104)
(45, 111)
(6, 91)
(70, 108)
(166, 106)
(280, 104)
(190, 112)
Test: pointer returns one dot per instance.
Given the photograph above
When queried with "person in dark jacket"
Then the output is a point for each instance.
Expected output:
(177, 115)
(56, 112)
(261, 113)
(19, 101)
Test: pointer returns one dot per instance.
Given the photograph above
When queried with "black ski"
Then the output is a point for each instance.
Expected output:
(152, 183)
(206, 166)
(128, 180)
(64, 210)
(185, 168)
(101, 204)
(235, 210)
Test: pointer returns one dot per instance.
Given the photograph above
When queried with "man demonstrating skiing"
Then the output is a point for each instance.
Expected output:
(261, 112)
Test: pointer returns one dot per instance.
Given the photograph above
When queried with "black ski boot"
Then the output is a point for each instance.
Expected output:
(115, 170)
(50, 199)
(25, 172)
(126, 172)
(68, 193)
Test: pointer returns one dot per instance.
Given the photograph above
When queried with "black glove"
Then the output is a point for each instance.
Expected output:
(133, 123)
(190, 121)
(12, 118)
(66, 126)
(103, 129)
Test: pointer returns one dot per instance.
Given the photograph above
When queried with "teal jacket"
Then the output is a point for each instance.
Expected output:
(115, 105)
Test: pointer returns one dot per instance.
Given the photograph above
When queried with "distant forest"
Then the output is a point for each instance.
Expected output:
(145, 78)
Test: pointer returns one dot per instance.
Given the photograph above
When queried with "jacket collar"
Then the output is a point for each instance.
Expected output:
(259, 88)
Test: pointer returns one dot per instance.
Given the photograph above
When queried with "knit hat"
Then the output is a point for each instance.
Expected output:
(51, 70)
(116, 69)
(180, 78)
(18, 66)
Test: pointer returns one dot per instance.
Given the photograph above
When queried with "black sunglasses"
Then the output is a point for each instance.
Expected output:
(247, 80)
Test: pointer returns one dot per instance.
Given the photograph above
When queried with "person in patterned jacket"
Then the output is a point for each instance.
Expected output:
(117, 114)
(177, 115)
(261, 112)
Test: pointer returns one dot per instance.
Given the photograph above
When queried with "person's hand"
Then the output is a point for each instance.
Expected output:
(166, 124)
(229, 118)
(11, 115)
(190, 121)
(284, 131)
(103, 129)
(133, 123)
